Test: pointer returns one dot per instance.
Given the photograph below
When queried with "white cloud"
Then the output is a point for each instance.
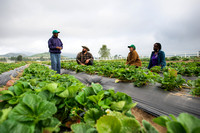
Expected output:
(27, 25)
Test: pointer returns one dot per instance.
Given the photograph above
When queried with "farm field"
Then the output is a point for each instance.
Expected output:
(4, 67)
(43, 101)
(170, 78)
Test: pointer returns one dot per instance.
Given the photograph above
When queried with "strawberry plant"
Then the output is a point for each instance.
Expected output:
(195, 86)
(184, 123)
(43, 101)
(171, 80)
(156, 69)
(10, 66)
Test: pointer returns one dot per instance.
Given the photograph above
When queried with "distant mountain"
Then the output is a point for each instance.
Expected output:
(13, 55)
(47, 54)
(69, 55)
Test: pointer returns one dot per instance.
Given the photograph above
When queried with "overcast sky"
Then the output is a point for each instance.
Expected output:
(26, 25)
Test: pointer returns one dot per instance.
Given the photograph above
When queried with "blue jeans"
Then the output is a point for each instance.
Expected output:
(55, 62)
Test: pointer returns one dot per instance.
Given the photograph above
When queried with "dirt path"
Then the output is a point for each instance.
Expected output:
(141, 115)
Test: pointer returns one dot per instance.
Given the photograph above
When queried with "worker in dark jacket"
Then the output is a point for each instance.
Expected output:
(157, 57)
(85, 57)
(55, 47)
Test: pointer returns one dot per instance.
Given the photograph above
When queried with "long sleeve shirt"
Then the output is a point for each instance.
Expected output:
(53, 43)
(81, 57)
(133, 59)
(161, 59)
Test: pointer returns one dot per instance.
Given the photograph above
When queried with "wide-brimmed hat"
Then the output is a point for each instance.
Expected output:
(86, 48)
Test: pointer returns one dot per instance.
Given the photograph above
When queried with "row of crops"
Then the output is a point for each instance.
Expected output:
(170, 77)
(4, 67)
(43, 101)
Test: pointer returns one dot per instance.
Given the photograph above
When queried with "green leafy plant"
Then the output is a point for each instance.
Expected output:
(184, 123)
(10, 66)
(195, 86)
(171, 80)
(29, 113)
(156, 69)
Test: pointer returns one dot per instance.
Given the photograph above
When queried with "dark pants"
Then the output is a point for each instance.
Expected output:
(89, 63)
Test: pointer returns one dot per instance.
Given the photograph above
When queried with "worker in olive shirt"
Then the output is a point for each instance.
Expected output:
(133, 57)
(55, 47)
(85, 57)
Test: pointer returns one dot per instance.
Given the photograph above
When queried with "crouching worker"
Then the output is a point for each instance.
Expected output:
(133, 57)
(85, 57)
(157, 57)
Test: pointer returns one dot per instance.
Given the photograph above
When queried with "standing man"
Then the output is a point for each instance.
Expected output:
(133, 57)
(55, 47)
(85, 57)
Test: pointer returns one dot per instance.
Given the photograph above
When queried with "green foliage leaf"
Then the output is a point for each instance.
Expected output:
(4, 114)
(52, 87)
(73, 91)
(97, 87)
(64, 94)
(118, 106)
(81, 98)
(175, 127)
(92, 115)
(7, 92)
(33, 108)
(128, 124)
(189, 121)
(148, 127)
(12, 126)
(96, 98)
(83, 128)
(108, 124)
(162, 120)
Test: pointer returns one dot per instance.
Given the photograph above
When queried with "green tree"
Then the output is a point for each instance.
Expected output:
(13, 58)
(104, 51)
(19, 58)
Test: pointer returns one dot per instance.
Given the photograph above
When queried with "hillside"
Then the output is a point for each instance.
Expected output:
(13, 55)
(46, 54)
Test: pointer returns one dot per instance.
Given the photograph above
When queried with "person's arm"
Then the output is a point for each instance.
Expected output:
(78, 59)
(162, 60)
(150, 61)
(134, 57)
(61, 44)
(127, 59)
(50, 44)
(91, 57)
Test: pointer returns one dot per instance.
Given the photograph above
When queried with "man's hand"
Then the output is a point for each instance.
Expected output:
(86, 62)
(59, 48)
(82, 64)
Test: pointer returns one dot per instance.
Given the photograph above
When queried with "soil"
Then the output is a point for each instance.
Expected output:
(141, 115)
